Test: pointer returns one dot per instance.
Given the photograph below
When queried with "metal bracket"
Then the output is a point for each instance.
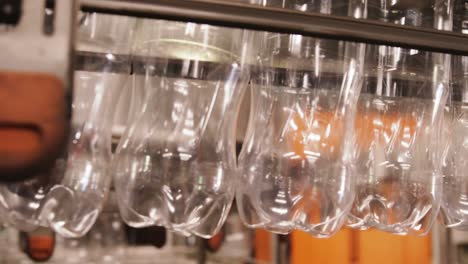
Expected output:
(224, 13)
(41, 41)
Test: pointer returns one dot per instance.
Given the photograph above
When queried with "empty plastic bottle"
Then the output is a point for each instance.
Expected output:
(175, 165)
(398, 125)
(454, 209)
(72, 206)
(294, 168)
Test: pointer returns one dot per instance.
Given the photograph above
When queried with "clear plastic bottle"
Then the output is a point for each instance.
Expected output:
(175, 166)
(72, 206)
(455, 191)
(294, 171)
(20, 202)
(398, 125)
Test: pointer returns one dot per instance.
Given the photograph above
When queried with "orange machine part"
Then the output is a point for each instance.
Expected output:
(41, 248)
(262, 246)
(214, 244)
(379, 247)
(33, 123)
(360, 247)
(335, 250)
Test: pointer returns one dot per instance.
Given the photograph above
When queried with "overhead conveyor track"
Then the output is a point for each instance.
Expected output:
(253, 17)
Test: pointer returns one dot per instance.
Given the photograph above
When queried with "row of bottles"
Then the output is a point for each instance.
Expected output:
(111, 241)
(339, 133)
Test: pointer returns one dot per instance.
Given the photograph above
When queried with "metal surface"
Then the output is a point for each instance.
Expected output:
(442, 247)
(27, 48)
(284, 21)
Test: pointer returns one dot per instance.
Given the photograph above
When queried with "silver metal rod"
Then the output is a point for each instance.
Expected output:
(222, 13)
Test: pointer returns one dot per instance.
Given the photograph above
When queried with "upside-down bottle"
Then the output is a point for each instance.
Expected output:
(398, 125)
(72, 206)
(175, 166)
(294, 170)
(454, 210)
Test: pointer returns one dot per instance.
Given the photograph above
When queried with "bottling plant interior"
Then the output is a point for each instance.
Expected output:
(246, 131)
